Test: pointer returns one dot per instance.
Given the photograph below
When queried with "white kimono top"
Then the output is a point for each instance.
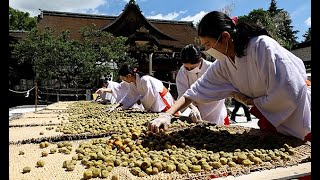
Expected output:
(108, 96)
(271, 75)
(147, 89)
(118, 90)
(214, 111)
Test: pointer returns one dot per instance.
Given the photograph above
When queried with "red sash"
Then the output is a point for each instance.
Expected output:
(226, 121)
(162, 94)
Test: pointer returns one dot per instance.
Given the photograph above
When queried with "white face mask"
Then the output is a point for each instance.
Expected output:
(217, 54)
(195, 70)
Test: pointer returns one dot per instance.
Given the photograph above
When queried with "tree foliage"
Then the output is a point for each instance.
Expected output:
(19, 20)
(307, 35)
(73, 63)
(273, 8)
(276, 21)
(111, 50)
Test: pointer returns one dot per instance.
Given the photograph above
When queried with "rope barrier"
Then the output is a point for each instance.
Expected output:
(63, 94)
(23, 92)
(43, 93)
(170, 83)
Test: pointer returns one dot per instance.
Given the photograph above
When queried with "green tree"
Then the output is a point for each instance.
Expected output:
(273, 9)
(73, 63)
(262, 18)
(276, 21)
(19, 20)
(307, 35)
(284, 28)
(258, 16)
(51, 57)
(110, 49)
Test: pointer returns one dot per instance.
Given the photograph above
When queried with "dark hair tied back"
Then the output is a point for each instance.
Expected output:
(214, 23)
(127, 69)
(190, 54)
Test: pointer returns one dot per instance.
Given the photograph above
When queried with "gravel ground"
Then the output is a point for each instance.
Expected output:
(17, 111)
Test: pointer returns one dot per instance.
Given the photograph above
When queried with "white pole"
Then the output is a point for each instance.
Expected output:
(36, 97)
(150, 64)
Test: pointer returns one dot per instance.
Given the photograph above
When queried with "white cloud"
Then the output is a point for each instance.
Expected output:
(152, 12)
(136, 1)
(170, 16)
(308, 22)
(182, 12)
(196, 18)
(174, 15)
(79, 6)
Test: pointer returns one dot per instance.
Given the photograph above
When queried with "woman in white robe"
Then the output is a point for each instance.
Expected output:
(254, 69)
(151, 92)
(115, 91)
(104, 96)
(194, 66)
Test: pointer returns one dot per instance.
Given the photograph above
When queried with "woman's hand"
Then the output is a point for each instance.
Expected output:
(164, 120)
(195, 115)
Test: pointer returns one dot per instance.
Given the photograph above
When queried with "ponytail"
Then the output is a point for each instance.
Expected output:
(242, 35)
(126, 69)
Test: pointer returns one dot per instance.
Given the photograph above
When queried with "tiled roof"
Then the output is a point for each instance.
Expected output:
(17, 33)
(79, 15)
(61, 21)
(182, 31)
(185, 33)
(301, 45)
(302, 50)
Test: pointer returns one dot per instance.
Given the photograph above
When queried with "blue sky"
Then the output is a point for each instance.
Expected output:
(186, 10)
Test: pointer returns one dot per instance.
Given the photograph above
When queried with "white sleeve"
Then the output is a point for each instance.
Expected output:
(150, 93)
(114, 88)
(182, 83)
(131, 97)
(284, 82)
(213, 85)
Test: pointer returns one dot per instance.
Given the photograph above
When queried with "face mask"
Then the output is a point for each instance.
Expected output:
(195, 70)
(217, 54)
